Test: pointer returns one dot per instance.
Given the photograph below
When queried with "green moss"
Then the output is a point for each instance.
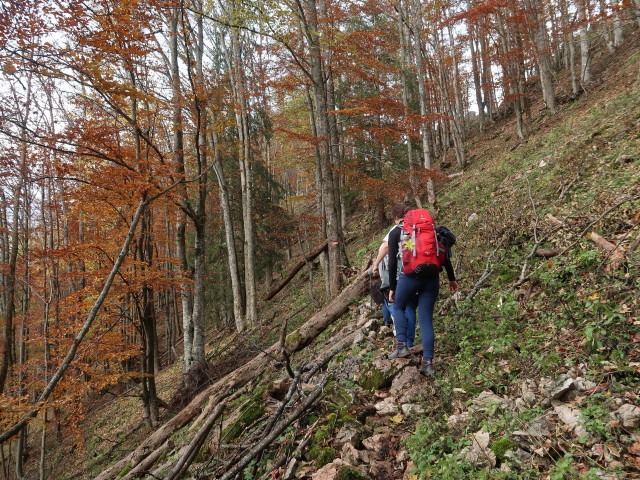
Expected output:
(293, 339)
(321, 435)
(350, 473)
(124, 471)
(322, 455)
(373, 379)
(341, 357)
(501, 446)
(251, 411)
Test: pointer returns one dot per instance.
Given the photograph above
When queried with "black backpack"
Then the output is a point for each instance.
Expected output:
(446, 238)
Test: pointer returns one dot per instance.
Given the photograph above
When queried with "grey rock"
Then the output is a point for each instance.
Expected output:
(329, 471)
(558, 387)
(349, 453)
(354, 456)
(412, 409)
(529, 398)
(384, 331)
(581, 384)
(373, 443)
(519, 455)
(571, 417)
(458, 422)
(407, 378)
(521, 404)
(371, 325)
(359, 338)
(344, 436)
(414, 393)
(387, 407)
(479, 453)
(482, 401)
(629, 416)
(541, 427)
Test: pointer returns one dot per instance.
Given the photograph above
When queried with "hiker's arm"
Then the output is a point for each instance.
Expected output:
(382, 251)
(449, 268)
(394, 239)
(453, 284)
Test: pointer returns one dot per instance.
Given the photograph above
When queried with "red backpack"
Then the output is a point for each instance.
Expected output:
(422, 255)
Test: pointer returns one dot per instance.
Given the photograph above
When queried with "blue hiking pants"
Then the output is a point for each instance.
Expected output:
(409, 314)
(427, 290)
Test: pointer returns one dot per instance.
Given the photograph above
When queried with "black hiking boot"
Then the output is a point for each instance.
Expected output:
(401, 351)
(426, 368)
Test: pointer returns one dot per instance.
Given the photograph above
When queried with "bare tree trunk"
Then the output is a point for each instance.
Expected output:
(48, 293)
(543, 52)
(43, 448)
(21, 444)
(148, 320)
(200, 217)
(5, 461)
(246, 175)
(575, 88)
(405, 65)
(487, 79)
(324, 258)
(330, 198)
(427, 161)
(332, 119)
(475, 70)
(178, 158)
(225, 204)
(457, 114)
(637, 13)
(146, 311)
(585, 55)
(618, 39)
(511, 72)
(10, 282)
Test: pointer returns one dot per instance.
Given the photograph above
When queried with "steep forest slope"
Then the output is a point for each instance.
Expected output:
(538, 365)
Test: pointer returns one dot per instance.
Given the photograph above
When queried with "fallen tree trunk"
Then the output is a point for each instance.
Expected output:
(212, 396)
(293, 416)
(296, 268)
(615, 253)
(191, 450)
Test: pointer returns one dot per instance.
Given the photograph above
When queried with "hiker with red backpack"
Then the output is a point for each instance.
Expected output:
(425, 250)
(381, 266)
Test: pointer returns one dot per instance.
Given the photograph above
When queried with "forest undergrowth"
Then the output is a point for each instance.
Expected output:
(522, 325)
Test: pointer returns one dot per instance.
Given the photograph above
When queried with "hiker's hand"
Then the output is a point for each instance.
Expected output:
(453, 286)
(374, 269)
(391, 292)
